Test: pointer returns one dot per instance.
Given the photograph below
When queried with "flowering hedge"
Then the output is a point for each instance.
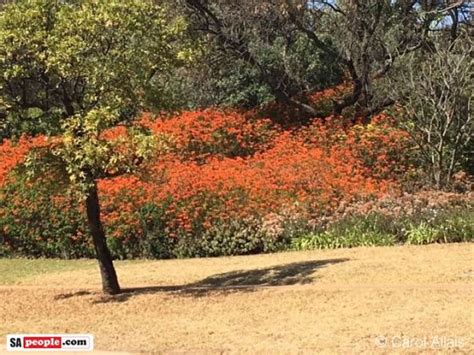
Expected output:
(226, 180)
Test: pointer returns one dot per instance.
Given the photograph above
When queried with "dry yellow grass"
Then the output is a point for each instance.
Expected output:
(334, 301)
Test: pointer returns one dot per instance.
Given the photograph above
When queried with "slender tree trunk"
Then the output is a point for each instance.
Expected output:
(110, 283)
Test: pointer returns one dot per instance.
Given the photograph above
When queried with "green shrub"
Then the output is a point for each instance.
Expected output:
(329, 240)
(422, 233)
(448, 226)
(156, 241)
(35, 224)
(458, 227)
(152, 239)
(225, 238)
(241, 236)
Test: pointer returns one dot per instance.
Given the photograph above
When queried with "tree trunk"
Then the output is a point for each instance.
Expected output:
(110, 283)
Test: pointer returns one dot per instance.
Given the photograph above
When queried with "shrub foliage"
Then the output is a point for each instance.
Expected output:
(230, 183)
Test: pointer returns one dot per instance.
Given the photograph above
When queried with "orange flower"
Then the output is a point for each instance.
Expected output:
(229, 165)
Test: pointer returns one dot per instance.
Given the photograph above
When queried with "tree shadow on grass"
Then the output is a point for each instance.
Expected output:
(64, 296)
(300, 273)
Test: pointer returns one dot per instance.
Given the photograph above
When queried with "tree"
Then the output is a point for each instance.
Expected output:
(364, 38)
(74, 69)
(258, 50)
(436, 96)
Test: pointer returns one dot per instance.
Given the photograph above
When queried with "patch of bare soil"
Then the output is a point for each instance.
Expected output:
(376, 300)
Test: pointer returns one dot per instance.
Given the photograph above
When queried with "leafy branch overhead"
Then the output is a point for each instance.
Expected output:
(92, 62)
(362, 38)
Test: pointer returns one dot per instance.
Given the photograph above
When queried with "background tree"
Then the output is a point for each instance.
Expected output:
(436, 96)
(74, 69)
(362, 38)
(369, 37)
(256, 55)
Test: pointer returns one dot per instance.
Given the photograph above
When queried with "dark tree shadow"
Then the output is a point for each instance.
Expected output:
(63, 296)
(236, 281)
(281, 275)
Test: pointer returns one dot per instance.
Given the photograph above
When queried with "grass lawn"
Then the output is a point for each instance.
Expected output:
(331, 301)
(17, 270)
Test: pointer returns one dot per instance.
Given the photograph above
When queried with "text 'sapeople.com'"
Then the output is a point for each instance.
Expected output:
(50, 342)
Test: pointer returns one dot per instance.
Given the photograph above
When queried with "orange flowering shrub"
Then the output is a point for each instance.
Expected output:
(381, 147)
(199, 135)
(14, 153)
(36, 221)
(228, 176)
(308, 172)
(323, 100)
